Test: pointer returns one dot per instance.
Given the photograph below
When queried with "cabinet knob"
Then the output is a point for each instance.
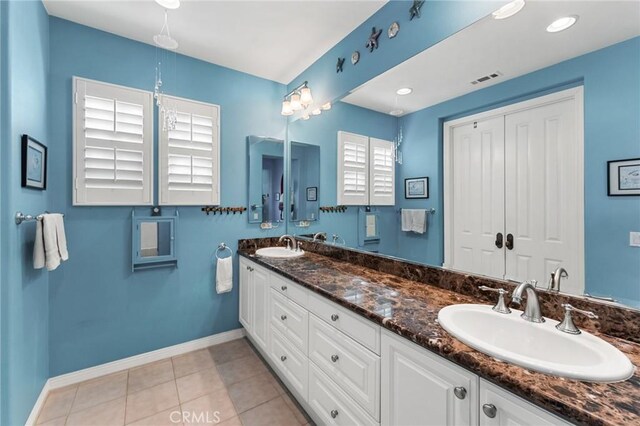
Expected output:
(334, 317)
(283, 288)
(283, 358)
(460, 392)
(489, 410)
(335, 358)
(334, 413)
(283, 317)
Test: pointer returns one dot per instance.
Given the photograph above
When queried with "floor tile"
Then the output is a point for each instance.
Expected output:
(214, 407)
(274, 412)
(170, 417)
(297, 410)
(58, 404)
(230, 351)
(60, 421)
(252, 392)
(150, 375)
(109, 413)
(198, 384)
(151, 401)
(241, 369)
(102, 389)
(276, 383)
(191, 362)
(235, 421)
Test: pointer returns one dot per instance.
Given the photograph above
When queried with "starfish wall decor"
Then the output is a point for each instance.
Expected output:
(340, 64)
(372, 43)
(414, 11)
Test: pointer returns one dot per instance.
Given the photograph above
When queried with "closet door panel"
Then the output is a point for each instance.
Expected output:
(542, 193)
(478, 197)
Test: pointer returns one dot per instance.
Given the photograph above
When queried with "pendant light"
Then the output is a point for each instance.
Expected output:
(297, 100)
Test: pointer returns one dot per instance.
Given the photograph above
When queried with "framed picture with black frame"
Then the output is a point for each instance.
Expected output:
(416, 188)
(312, 193)
(623, 177)
(34, 163)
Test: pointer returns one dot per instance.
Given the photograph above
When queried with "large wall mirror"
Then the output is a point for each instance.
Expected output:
(266, 179)
(304, 184)
(513, 125)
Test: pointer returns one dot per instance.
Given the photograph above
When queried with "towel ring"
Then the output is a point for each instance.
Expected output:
(223, 247)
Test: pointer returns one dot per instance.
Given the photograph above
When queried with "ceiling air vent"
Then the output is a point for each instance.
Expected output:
(487, 77)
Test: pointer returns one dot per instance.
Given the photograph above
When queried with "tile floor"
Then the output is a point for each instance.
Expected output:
(227, 384)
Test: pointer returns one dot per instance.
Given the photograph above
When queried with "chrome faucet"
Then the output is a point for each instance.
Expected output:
(290, 240)
(556, 277)
(317, 236)
(532, 311)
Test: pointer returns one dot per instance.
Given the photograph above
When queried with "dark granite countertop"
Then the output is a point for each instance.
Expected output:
(410, 309)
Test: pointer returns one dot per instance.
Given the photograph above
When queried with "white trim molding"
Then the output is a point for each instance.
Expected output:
(127, 363)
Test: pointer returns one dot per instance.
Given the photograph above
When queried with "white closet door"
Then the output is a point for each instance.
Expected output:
(543, 193)
(477, 197)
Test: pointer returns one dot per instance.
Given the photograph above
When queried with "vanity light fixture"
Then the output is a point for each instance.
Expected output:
(298, 99)
(326, 107)
(508, 9)
(404, 91)
(169, 4)
(562, 24)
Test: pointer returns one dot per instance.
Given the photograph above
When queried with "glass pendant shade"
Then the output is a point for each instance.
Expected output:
(326, 106)
(305, 96)
(295, 102)
(316, 111)
(286, 108)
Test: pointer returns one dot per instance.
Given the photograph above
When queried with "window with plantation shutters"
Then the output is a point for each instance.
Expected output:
(189, 155)
(113, 144)
(353, 169)
(366, 171)
(381, 173)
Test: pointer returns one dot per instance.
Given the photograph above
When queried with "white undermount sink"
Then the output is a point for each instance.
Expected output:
(278, 252)
(536, 346)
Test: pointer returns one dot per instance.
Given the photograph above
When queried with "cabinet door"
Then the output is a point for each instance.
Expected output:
(419, 388)
(260, 319)
(501, 408)
(381, 173)
(245, 295)
(353, 169)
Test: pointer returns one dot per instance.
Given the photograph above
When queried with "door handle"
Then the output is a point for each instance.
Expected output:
(509, 243)
(499, 240)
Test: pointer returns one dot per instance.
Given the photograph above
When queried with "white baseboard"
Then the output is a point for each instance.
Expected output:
(127, 363)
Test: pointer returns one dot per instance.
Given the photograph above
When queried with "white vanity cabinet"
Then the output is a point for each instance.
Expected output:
(421, 388)
(347, 370)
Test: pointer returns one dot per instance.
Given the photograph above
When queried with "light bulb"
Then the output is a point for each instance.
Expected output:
(316, 111)
(305, 117)
(508, 9)
(326, 106)
(286, 108)
(295, 102)
(305, 96)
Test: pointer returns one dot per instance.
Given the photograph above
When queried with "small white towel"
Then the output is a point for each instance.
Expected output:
(414, 220)
(50, 245)
(224, 275)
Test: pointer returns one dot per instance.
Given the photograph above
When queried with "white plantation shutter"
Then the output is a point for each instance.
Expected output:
(353, 169)
(381, 173)
(113, 144)
(190, 155)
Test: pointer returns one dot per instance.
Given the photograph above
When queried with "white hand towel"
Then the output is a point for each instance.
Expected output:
(224, 275)
(38, 247)
(62, 237)
(55, 241)
(414, 220)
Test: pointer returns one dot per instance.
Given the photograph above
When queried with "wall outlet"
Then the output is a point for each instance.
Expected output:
(634, 239)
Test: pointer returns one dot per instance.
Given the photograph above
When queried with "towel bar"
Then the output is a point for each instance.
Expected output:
(429, 211)
(21, 217)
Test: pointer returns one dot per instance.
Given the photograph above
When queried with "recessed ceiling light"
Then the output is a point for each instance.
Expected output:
(396, 112)
(562, 24)
(508, 9)
(404, 91)
(169, 4)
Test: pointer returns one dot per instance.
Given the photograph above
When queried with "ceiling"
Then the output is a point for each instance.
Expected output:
(514, 46)
(276, 40)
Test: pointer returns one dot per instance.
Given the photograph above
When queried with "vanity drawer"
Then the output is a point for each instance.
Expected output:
(290, 319)
(293, 364)
(293, 291)
(363, 331)
(332, 404)
(352, 366)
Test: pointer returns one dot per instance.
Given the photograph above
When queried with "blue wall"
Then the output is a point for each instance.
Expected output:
(99, 310)
(439, 20)
(323, 131)
(612, 131)
(24, 298)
